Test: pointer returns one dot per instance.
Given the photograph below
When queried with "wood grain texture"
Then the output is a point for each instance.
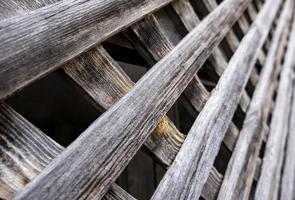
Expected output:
(231, 38)
(288, 174)
(190, 169)
(96, 158)
(37, 42)
(156, 41)
(26, 151)
(190, 20)
(268, 184)
(240, 172)
(22, 162)
(105, 82)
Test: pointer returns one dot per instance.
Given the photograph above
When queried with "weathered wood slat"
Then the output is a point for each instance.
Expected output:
(231, 37)
(190, 169)
(158, 44)
(103, 79)
(35, 43)
(190, 20)
(241, 168)
(252, 14)
(96, 158)
(288, 176)
(11, 180)
(26, 151)
(105, 82)
(268, 184)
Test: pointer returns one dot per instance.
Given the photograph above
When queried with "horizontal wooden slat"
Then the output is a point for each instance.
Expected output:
(37, 42)
(268, 184)
(96, 158)
(190, 169)
(26, 151)
(241, 168)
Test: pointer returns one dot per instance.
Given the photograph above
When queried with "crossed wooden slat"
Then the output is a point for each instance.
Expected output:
(106, 147)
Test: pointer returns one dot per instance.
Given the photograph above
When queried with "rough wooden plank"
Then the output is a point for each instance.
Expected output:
(241, 168)
(268, 184)
(105, 82)
(288, 176)
(186, 176)
(233, 41)
(26, 151)
(157, 43)
(96, 158)
(190, 20)
(101, 77)
(35, 43)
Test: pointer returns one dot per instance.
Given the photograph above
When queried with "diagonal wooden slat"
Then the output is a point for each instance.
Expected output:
(103, 79)
(268, 184)
(241, 168)
(26, 151)
(96, 158)
(288, 176)
(10, 9)
(190, 20)
(231, 38)
(190, 169)
(105, 82)
(155, 40)
(37, 42)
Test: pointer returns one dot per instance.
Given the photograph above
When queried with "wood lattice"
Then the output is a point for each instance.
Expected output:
(248, 47)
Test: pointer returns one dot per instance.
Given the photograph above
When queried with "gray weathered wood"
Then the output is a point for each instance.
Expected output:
(158, 44)
(105, 82)
(190, 169)
(37, 42)
(96, 158)
(268, 184)
(190, 20)
(149, 30)
(26, 151)
(288, 176)
(231, 37)
(241, 168)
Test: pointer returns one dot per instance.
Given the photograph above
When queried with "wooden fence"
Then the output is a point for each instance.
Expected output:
(244, 102)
